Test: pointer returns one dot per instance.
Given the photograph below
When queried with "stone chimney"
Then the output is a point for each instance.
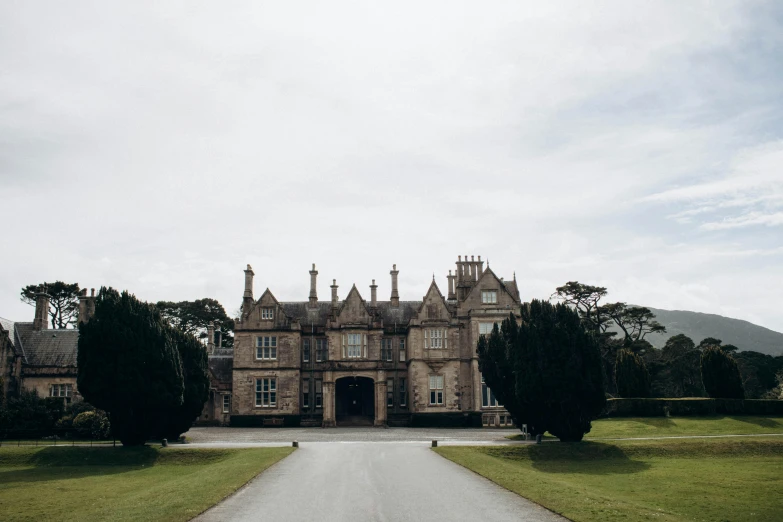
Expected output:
(86, 305)
(41, 320)
(373, 295)
(334, 294)
(451, 278)
(211, 338)
(218, 338)
(480, 266)
(395, 295)
(313, 292)
(247, 298)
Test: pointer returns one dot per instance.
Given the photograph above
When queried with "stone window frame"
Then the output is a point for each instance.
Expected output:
(489, 297)
(267, 313)
(306, 349)
(227, 403)
(319, 395)
(266, 392)
(390, 393)
(437, 386)
(487, 397)
(486, 326)
(266, 352)
(306, 393)
(387, 349)
(64, 390)
(402, 349)
(352, 350)
(403, 393)
(436, 338)
(321, 349)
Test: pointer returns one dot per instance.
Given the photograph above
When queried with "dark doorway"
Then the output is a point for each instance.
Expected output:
(355, 401)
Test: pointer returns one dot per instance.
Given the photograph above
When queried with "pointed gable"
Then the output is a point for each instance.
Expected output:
(433, 306)
(354, 309)
(488, 281)
(267, 309)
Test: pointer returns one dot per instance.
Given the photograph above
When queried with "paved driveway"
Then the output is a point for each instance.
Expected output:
(358, 481)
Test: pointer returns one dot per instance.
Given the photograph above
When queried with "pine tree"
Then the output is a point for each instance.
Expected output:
(128, 366)
(631, 375)
(720, 374)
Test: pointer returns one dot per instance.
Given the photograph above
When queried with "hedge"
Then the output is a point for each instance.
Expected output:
(690, 406)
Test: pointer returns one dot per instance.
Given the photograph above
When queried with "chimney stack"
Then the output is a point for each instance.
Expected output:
(395, 295)
(373, 294)
(313, 293)
(480, 266)
(86, 305)
(334, 294)
(41, 320)
(247, 298)
(211, 338)
(451, 285)
(474, 267)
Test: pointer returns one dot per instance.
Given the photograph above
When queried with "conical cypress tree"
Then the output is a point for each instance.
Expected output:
(194, 367)
(720, 374)
(128, 366)
(631, 376)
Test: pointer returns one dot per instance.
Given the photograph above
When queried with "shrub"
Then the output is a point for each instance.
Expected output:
(92, 424)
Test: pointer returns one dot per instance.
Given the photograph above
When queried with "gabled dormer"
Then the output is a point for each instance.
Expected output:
(490, 293)
(267, 312)
(354, 309)
(433, 307)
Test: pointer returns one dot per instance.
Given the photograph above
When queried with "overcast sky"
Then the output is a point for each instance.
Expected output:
(635, 145)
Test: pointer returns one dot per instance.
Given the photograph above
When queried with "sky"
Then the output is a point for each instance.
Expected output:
(160, 147)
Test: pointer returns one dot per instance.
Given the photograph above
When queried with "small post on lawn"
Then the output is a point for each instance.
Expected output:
(538, 439)
(295, 444)
(164, 443)
(434, 443)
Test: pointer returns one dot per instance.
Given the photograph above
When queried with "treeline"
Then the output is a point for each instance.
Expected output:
(632, 367)
(150, 377)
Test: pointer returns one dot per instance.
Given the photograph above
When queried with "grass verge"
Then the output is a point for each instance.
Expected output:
(626, 427)
(689, 479)
(166, 484)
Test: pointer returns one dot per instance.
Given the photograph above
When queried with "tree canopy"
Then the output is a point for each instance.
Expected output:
(129, 365)
(720, 374)
(63, 301)
(194, 317)
(631, 375)
(546, 371)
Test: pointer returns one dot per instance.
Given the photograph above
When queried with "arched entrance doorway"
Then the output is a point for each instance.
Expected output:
(355, 401)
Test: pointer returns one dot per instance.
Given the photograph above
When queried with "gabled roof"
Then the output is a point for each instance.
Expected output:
(47, 347)
(8, 326)
(433, 289)
(505, 286)
(221, 368)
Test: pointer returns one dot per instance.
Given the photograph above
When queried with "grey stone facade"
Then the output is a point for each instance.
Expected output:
(386, 362)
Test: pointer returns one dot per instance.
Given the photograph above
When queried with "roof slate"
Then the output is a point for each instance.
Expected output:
(8, 326)
(221, 367)
(301, 312)
(47, 347)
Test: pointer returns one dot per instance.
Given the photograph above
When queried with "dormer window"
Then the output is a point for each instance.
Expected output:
(267, 313)
(489, 296)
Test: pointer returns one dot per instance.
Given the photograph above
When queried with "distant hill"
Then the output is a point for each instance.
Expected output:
(697, 326)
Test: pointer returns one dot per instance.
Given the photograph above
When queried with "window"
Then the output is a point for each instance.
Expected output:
(386, 350)
(266, 347)
(266, 393)
(354, 345)
(488, 399)
(489, 296)
(321, 350)
(318, 393)
(389, 393)
(403, 393)
(61, 390)
(436, 390)
(402, 350)
(267, 313)
(306, 350)
(226, 403)
(435, 338)
(305, 394)
(486, 328)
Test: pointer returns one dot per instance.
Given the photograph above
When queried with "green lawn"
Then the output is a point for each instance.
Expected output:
(147, 483)
(678, 426)
(681, 479)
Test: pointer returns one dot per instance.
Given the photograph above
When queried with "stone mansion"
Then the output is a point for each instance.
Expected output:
(357, 361)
